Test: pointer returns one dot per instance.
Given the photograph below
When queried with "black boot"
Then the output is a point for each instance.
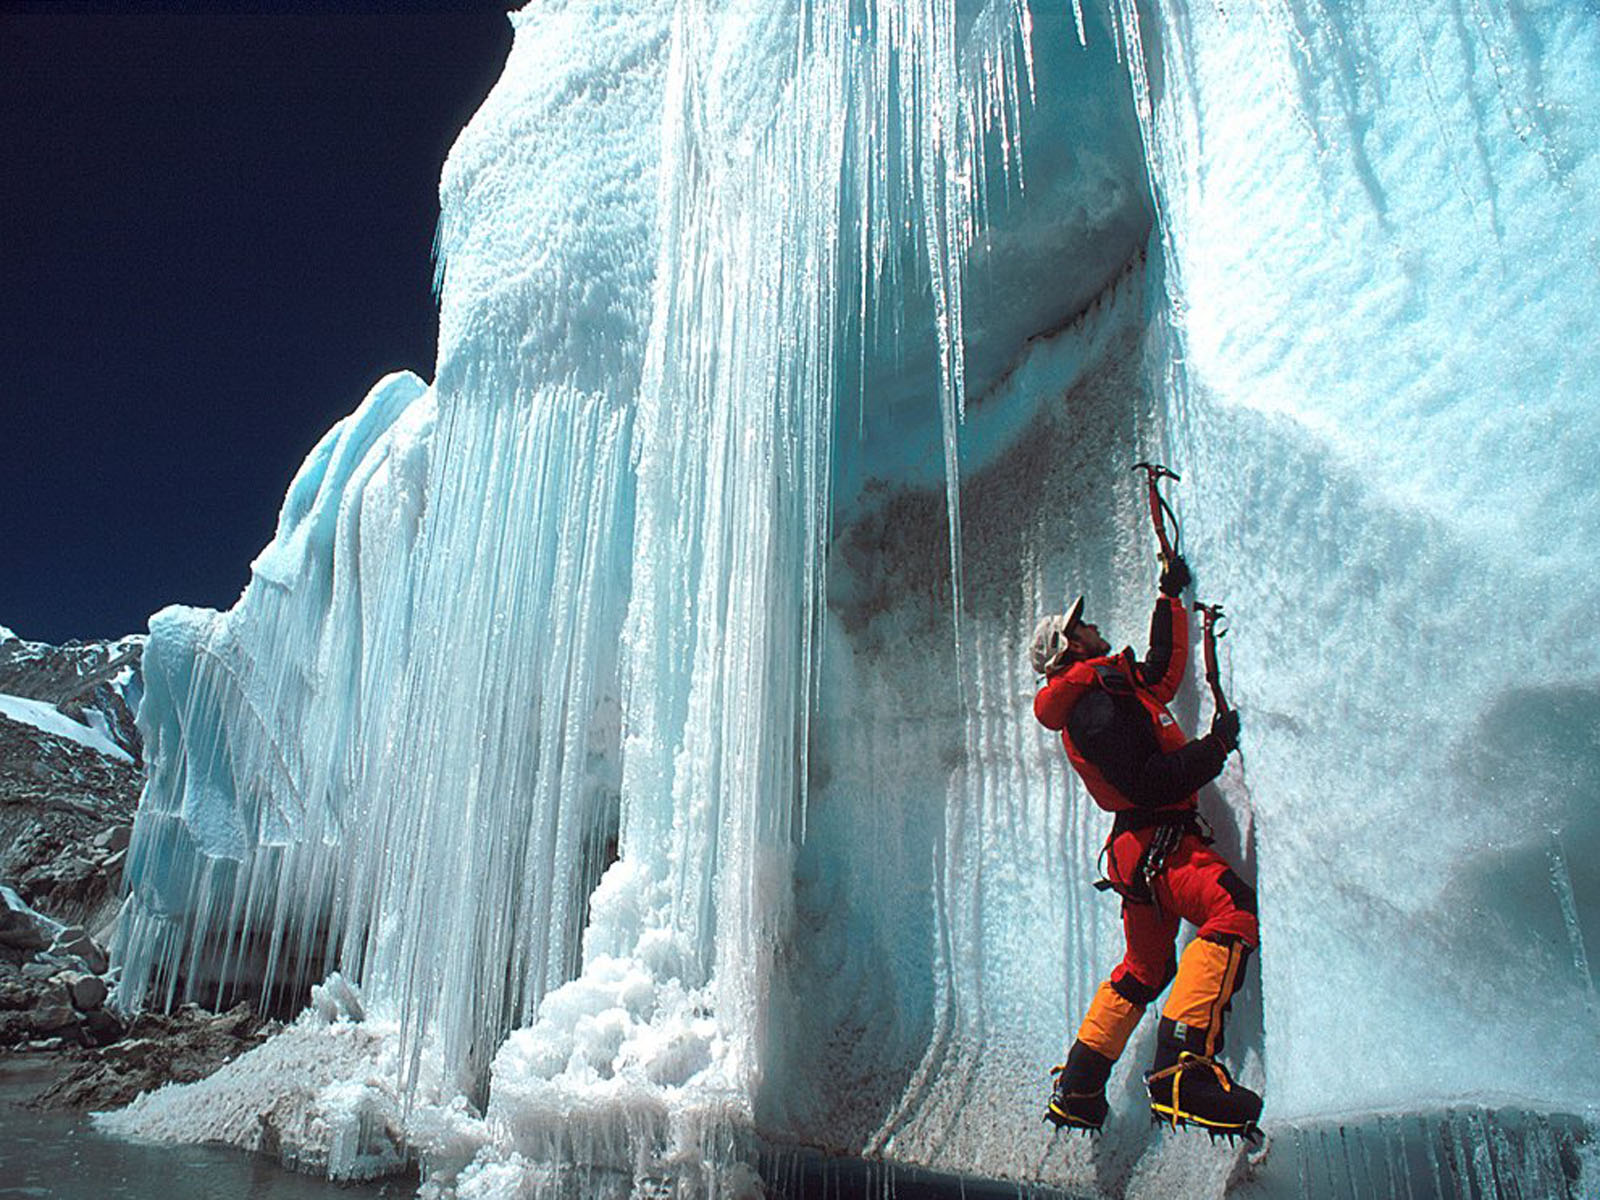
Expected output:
(1189, 1088)
(1079, 1099)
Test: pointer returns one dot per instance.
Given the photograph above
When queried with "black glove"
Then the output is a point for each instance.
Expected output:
(1176, 577)
(1225, 728)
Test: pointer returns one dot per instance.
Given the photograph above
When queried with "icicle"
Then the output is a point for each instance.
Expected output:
(568, 603)
(1561, 884)
(1431, 1144)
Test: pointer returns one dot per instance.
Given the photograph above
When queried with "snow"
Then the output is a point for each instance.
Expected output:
(336, 1119)
(50, 719)
(641, 714)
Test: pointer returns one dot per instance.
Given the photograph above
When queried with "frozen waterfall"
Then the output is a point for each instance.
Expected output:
(639, 714)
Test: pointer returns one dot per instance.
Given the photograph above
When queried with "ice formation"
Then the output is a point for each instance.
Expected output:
(640, 713)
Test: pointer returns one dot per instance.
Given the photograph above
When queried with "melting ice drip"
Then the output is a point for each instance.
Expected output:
(639, 713)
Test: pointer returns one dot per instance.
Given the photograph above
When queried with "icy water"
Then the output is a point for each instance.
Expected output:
(60, 1155)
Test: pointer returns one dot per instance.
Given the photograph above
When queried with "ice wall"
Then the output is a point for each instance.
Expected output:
(398, 751)
(1372, 238)
(1357, 344)
(641, 713)
(256, 724)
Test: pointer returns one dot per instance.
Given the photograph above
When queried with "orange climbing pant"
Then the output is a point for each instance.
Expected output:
(1196, 885)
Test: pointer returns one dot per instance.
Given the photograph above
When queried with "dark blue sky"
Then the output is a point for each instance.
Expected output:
(215, 235)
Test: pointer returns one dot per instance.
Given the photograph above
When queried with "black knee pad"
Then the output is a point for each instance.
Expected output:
(1128, 986)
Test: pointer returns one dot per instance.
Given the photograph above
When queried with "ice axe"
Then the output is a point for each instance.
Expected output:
(1213, 624)
(1160, 511)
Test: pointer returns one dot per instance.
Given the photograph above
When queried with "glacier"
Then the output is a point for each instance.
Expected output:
(639, 715)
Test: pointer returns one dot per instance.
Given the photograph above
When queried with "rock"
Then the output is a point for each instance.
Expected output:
(134, 1053)
(15, 1027)
(68, 873)
(20, 926)
(240, 1021)
(105, 933)
(87, 993)
(15, 995)
(52, 1018)
(156, 1048)
(74, 942)
(102, 1027)
(41, 970)
(57, 799)
(114, 839)
(23, 937)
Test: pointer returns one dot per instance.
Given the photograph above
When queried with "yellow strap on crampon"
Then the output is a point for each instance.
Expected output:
(1187, 1058)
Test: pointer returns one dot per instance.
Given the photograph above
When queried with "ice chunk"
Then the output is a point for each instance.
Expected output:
(335, 999)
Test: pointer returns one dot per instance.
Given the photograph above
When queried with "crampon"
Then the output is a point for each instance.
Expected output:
(1197, 1091)
(1081, 1111)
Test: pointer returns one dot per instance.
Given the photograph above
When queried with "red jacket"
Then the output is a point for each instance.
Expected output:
(1112, 713)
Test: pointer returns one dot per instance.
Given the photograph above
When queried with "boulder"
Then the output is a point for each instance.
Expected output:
(102, 1027)
(75, 942)
(240, 1021)
(52, 1018)
(15, 1027)
(114, 839)
(19, 935)
(21, 928)
(154, 1048)
(15, 995)
(86, 993)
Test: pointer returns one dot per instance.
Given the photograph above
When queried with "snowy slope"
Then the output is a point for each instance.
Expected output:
(95, 684)
(51, 720)
(641, 712)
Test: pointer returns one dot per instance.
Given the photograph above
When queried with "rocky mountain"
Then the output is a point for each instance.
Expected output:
(97, 683)
(70, 774)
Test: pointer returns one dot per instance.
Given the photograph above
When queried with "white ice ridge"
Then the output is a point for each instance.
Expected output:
(45, 716)
(640, 714)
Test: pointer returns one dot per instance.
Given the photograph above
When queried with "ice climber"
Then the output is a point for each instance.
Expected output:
(1138, 763)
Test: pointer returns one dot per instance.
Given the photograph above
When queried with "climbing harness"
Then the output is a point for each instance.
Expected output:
(1160, 511)
(1171, 826)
